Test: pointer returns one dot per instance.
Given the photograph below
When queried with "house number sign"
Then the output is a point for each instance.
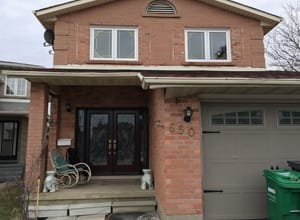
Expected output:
(180, 130)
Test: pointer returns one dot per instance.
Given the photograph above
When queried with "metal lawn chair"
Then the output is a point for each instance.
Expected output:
(69, 175)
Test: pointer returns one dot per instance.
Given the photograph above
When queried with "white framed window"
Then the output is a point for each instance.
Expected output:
(238, 118)
(114, 43)
(15, 87)
(288, 117)
(207, 45)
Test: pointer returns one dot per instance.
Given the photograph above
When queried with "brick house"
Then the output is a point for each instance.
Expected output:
(127, 73)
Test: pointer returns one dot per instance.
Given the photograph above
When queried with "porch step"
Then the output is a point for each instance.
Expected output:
(70, 211)
(133, 206)
(100, 197)
(85, 217)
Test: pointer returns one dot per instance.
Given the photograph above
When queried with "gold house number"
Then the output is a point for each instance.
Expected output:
(180, 130)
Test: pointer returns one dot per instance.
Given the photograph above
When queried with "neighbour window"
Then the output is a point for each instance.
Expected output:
(15, 86)
(240, 118)
(289, 118)
(207, 45)
(8, 140)
(113, 43)
(160, 7)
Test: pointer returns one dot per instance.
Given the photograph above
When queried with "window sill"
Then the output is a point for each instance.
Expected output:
(208, 64)
(16, 96)
(118, 62)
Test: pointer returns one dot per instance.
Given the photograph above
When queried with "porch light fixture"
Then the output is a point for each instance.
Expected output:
(68, 107)
(187, 114)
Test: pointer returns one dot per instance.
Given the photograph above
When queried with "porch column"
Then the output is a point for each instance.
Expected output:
(36, 141)
(175, 157)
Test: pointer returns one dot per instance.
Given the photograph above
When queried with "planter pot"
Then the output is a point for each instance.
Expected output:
(50, 183)
(147, 180)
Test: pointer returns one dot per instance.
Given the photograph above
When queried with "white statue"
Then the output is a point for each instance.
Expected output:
(147, 181)
(50, 183)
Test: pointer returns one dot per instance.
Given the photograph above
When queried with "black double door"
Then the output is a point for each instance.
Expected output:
(113, 141)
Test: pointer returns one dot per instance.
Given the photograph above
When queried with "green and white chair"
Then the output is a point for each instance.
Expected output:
(69, 175)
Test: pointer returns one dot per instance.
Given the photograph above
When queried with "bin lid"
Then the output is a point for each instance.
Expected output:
(284, 178)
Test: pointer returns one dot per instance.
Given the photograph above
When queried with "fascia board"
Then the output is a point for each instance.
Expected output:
(158, 82)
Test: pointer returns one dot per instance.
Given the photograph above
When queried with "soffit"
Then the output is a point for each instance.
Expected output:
(47, 16)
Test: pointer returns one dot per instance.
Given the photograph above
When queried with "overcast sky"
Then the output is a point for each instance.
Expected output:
(21, 37)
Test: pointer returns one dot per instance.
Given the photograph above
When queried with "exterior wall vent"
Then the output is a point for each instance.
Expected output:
(160, 7)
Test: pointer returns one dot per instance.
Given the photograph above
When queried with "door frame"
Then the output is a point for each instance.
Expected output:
(140, 142)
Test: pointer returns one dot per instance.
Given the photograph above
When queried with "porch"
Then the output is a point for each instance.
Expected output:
(102, 195)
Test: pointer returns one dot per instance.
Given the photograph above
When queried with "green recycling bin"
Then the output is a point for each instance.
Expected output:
(283, 194)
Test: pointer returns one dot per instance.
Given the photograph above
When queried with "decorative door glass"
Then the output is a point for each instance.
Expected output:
(125, 143)
(99, 131)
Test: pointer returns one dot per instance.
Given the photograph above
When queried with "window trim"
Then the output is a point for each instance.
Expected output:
(229, 126)
(16, 140)
(206, 32)
(114, 42)
(16, 87)
(286, 125)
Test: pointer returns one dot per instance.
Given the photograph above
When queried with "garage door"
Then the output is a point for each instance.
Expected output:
(239, 142)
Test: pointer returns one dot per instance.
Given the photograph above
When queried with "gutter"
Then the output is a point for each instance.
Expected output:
(181, 82)
(45, 74)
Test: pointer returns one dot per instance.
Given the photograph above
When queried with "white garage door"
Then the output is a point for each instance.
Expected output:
(239, 142)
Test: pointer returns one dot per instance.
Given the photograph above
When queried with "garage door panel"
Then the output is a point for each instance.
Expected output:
(254, 205)
(229, 202)
(221, 172)
(250, 174)
(252, 146)
(235, 205)
(217, 149)
(285, 145)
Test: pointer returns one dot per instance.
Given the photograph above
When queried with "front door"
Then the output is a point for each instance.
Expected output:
(113, 141)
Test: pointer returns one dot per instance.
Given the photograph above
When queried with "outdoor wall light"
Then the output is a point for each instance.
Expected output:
(187, 114)
(68, 107)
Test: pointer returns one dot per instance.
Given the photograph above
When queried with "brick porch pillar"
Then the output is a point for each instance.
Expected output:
(175, 157)
(35, 151)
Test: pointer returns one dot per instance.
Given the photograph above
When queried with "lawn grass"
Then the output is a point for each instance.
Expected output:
(10, 202)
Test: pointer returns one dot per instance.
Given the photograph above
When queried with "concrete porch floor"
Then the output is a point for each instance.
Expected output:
(101, 195)
(101, 189)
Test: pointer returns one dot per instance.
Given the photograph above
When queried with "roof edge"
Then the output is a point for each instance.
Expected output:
(47, 16)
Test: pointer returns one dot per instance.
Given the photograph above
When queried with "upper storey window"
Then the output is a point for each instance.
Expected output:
(160, 7)
(15, 86)
(114, 43)
(207, 45)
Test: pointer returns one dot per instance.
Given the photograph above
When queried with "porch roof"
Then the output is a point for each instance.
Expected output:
(177, 83)
(59, 77)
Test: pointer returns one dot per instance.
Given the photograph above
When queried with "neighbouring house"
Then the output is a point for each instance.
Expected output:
(178, 86)
(14, 110)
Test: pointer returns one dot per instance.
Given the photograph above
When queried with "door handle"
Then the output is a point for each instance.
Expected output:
(213, 191)
(115, 146)
(109, 146)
